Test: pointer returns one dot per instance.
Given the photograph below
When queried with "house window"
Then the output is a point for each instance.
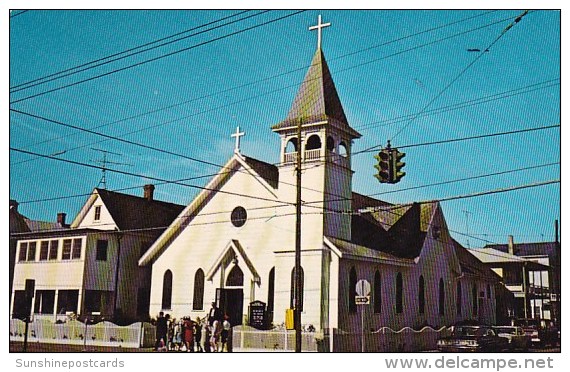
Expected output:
(53, 248)
(488, 291)
(352, 290)
(67, 301)
(421, 296)
(93, 301)
(44, 302)
(97, 213)
(399, 294)
(198, 302)
(44, 250)
(101, 250)
(377, 293)
(71, 249)
(301, 288)
(20, 309)
(143, 300)
(27, 251)
(23, 254)
(459, 299)
(441, 297)
(167, 290)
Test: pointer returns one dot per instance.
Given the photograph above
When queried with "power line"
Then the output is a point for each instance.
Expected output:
(156, 58)
(372, 149)
(265, 79)
(19, 13)
(82, 67)
(441, 92)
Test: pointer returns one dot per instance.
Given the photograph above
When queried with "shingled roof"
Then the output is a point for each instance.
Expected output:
(134, 212)
(317, 100)
(472, 265)
(269, 172)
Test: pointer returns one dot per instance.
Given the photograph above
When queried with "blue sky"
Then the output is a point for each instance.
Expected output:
(249, 79)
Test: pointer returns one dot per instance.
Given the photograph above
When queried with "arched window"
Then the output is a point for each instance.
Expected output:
(474, 296)
(330, 143)
(235, 277)
(301, 288)
(167, 290)
(377, 293)
(459, 299)
(342, 149)
(399, 294)
(352, 291)
(441, 297)
(313, 142)
(271, 291)
(198, 300)
(291, 145)
(421, 295)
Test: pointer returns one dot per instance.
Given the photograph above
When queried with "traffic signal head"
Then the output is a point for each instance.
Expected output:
(397, 165)
(384, 166)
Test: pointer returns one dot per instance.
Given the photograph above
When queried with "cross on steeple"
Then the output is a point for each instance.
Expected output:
(319, 28)
(237, 135)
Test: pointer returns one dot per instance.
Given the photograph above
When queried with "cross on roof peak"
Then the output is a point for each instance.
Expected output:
(237, 135)
(319, 27)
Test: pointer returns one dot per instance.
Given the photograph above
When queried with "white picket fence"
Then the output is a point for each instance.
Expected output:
(74, 332)
(249, 339)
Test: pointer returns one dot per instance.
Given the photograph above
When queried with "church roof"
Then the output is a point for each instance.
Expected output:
(399, 230)
(472, 265)
(317, 100)
(134, 212)
(269, 172)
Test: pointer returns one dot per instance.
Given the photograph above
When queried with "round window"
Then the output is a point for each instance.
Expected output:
(239, 216)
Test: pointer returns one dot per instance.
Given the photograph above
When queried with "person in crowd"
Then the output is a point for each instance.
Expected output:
(161, 329)
(207, 335)
(188, 328)
(226, 327)
(198, 334)
(215, 331)
(214, 314)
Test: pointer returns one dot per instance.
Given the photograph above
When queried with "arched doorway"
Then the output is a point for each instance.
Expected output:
(230, 298)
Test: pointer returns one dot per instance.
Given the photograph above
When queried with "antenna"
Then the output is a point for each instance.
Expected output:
(104, 162)
(467, 213)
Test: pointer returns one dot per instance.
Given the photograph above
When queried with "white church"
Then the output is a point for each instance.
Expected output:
(235, 242)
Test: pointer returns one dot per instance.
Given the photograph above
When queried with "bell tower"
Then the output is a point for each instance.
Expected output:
(326, 143)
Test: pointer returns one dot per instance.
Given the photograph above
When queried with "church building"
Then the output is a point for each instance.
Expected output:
(235, 242)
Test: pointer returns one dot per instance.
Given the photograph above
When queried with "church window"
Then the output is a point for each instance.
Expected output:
(352, 291)
(377, 293)
(198, 300)
(271, 291)
(399, 294)
(167, 290)
(421, 295)
(239, 216)
(291, 146)
(330, 143)
(441, 297)
(301, 288)
(235, 277)
(342, 149)
(459, 299)
(313, 142)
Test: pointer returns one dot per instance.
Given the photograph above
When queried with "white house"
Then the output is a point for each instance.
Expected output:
(235, 242)
(92, 266)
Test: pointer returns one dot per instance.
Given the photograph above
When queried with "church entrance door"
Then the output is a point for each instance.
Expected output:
(230, 302)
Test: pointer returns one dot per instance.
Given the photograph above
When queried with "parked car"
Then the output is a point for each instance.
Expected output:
(518, 339)
(542, 332)
(473, 338)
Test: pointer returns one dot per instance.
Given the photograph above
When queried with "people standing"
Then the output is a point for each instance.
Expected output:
(161, 330)
(226, 327)
(214, 314)
(215, 331)
(198, 334)
(189, 334)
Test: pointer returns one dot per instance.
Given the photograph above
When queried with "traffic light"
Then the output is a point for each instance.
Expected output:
(384, 166)
(397, 165)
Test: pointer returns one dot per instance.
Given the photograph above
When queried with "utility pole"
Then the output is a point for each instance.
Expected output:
(297, 309)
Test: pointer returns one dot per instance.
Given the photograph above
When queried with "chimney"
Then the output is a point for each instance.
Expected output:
(61, 219)
(14, 205)
(511, 245)
(148, 192)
